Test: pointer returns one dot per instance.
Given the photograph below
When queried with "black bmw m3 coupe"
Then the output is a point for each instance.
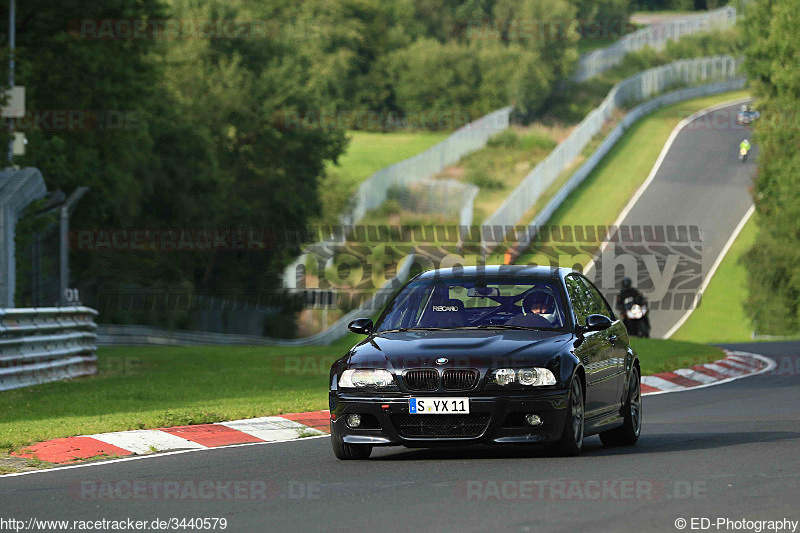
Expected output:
(482, 355)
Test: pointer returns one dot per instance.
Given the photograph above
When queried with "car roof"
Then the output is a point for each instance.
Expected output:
(527, 271)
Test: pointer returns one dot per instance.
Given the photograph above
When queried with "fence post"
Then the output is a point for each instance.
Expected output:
(63, 243)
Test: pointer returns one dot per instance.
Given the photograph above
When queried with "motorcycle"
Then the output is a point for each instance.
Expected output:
(634, 316)
(743, 154)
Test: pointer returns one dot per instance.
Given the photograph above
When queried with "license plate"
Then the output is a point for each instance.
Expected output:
(438, 406)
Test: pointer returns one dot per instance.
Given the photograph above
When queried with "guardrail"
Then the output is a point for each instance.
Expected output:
(42, 344)
(129, 335)
(636, 88)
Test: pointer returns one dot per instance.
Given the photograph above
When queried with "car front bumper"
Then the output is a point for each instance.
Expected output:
(387, 419)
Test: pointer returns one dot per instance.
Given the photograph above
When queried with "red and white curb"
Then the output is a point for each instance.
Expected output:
(297, 425)
(736, 365)
(145, 441)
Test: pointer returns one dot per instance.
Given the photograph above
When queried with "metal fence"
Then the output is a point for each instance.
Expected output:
(44, 344)
(147, 335)
(655, 36)
(447, 198)
(634, 89)
(18, 188)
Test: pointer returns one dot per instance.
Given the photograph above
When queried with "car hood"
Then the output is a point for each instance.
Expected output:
(460, 348)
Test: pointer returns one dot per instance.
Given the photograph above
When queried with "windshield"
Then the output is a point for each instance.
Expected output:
(475, 303)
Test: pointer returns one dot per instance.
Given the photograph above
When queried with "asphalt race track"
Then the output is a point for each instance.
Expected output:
(727, 451)
(702, 183)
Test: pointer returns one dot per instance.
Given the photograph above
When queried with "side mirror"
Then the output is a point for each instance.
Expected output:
(362, 326)
(597, 323)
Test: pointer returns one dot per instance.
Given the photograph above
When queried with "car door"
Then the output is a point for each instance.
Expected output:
(594, 352)
(616, 335)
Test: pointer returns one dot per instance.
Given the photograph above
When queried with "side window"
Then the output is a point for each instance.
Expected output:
(578, 296)
(601, 305)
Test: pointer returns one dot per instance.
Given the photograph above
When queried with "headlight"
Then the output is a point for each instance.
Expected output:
(636, 312)
(532, 377)
(366, 377)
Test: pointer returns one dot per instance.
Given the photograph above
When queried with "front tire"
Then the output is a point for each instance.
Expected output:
(628, 433)
(347, 452)
(571, 443)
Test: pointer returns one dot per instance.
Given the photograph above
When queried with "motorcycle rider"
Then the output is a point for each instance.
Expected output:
(628, 291)
(744, 145)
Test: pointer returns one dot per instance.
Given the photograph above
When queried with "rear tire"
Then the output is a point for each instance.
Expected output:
(571, 443)
(628, 433)
(345, 451)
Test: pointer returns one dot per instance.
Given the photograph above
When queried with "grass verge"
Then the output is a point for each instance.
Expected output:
(657, 355)
(145, 388)
(152, 387)
(369, 152)
(721, 316)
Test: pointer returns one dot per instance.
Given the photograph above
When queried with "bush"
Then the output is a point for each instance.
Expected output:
(506, 139)
(480, 178)
(537, 141)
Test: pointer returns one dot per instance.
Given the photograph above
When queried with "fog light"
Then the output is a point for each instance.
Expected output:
(353, 421)
(531, 419)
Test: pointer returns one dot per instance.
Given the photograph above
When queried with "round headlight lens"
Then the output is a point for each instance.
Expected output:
(527, 376)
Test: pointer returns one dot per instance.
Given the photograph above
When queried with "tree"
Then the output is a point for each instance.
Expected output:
(773, 65)
(206, 142)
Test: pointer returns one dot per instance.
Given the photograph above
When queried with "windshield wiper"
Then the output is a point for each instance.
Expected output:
(417, 329)
(508, 326)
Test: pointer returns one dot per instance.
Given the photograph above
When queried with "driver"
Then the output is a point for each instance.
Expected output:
(535, 304)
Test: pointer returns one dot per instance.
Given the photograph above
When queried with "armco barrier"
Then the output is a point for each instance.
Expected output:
(613, 137)
(41, 344)
(638, 87)
(108, 335)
